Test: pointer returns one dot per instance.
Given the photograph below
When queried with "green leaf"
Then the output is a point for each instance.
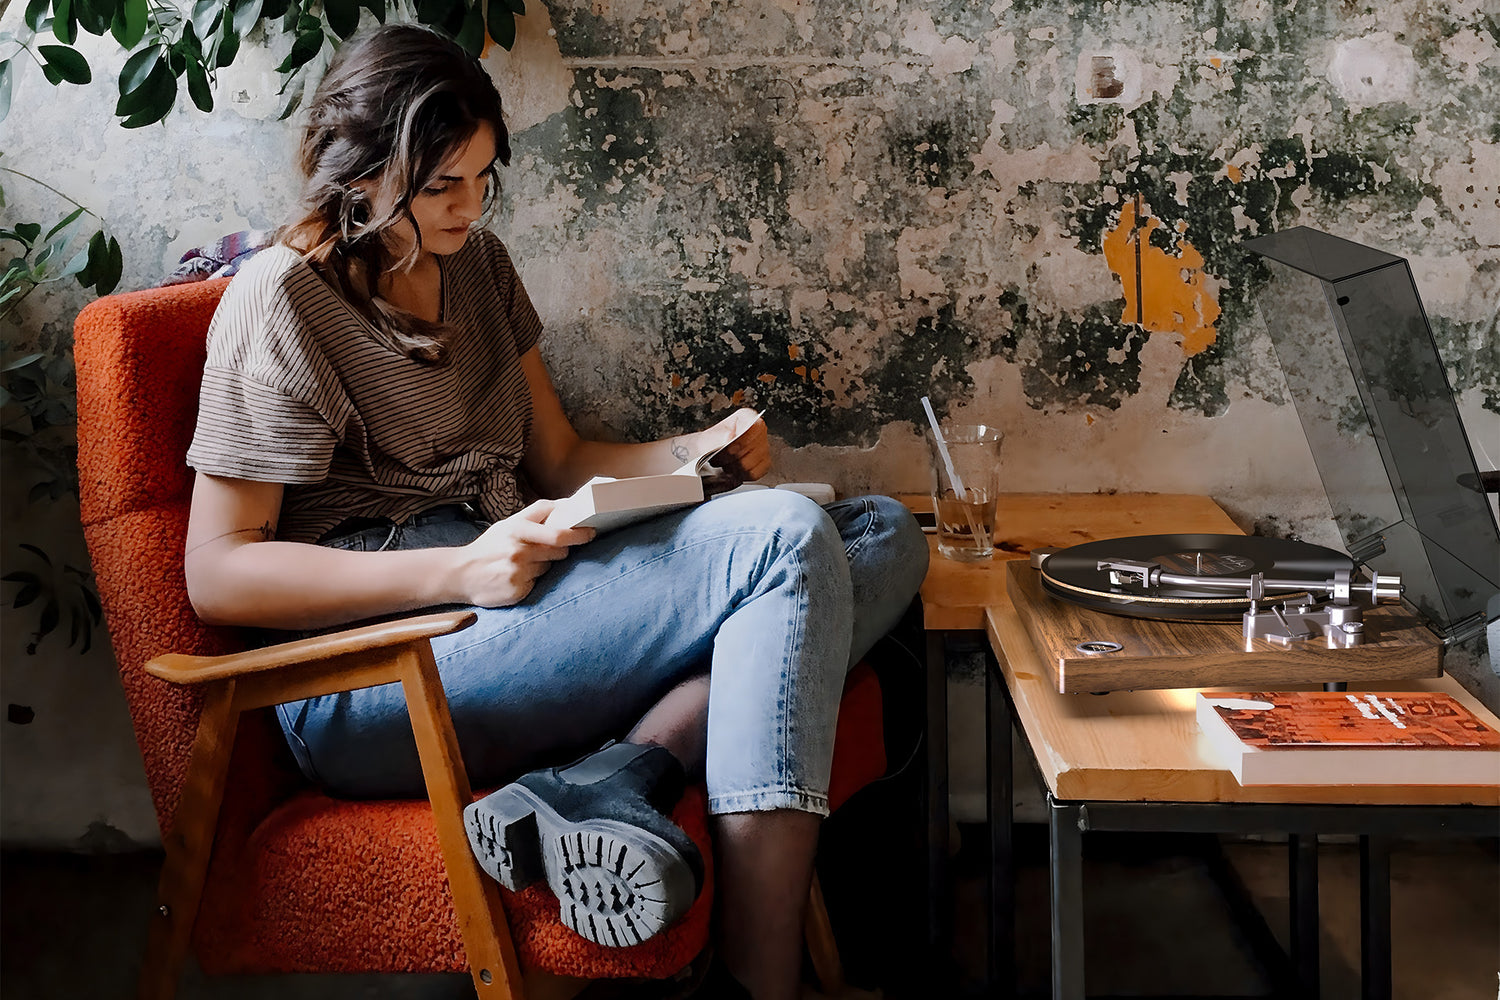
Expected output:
(53, 76)
(303, 49)
(502, 24)
(375, 7)
(517, 6)
(228, 47)
(471, 35)
(198, 88)
(91, 601)
(307, 24)
(246, 13)
(35, 11)
(206, 15)
(434, 11)
(70, 64)
(94, 255)
(64, 21)
(71, 218)
(27, 594)
(22, 362)
(111, 269)
(131, 16)
(188, 47)
(79, 261)
(158, 86)
(138, 67)
(343, 16)
(94, 15)
(27, 232)
(49, 618)
(4, 93)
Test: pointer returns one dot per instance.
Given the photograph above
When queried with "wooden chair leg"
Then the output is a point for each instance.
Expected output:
(821, 946)
(189, 846)
(476, 897)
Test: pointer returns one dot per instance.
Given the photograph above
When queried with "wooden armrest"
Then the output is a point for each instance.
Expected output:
(180, 668)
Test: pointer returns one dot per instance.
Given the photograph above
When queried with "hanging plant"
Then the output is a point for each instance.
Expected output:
(172, 49)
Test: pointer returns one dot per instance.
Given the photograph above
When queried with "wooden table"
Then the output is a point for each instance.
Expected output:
(1134, 761)
(955, 597)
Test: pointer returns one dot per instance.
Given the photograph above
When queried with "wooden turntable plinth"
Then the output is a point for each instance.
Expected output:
(1176, 654)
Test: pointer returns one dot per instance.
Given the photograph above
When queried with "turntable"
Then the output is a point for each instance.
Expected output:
(1423, 564)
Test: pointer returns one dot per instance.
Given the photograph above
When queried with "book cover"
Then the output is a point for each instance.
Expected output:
(1336, 737)
(605, 503)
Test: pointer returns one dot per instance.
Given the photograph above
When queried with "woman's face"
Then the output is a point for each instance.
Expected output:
(453, 199)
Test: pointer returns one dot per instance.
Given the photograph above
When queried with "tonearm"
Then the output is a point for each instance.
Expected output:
(1340, 620)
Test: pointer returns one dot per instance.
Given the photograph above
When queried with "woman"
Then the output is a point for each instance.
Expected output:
(378, 433)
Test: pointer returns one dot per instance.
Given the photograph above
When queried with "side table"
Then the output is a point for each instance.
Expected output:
(1133, 760)
(955, 597)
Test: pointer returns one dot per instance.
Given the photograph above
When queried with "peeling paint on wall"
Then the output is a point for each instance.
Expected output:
(829, 210)
(1164, 286)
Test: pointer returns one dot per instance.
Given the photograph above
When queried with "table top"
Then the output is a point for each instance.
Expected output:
(1144, 746)
(1126, 745)
(955, 595)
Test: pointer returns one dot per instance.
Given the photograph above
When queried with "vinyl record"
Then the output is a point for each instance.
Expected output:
(1073, 574)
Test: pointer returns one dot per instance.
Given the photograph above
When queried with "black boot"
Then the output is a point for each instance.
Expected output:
(597, 830)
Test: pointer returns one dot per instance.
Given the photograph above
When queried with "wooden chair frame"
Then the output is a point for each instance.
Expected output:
(398, 651)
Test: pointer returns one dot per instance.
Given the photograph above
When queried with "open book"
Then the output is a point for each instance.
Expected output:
(604, 504)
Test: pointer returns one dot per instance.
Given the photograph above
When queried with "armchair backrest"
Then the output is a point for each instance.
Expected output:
(140, 361)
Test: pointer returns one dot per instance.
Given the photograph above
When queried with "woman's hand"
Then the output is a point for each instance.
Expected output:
(500, 567)
(746, 453)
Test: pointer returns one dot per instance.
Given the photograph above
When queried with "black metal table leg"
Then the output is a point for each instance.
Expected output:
(935, 790)
(1375, 917)
(1302, 871)
(999, 801)
(1066, 866)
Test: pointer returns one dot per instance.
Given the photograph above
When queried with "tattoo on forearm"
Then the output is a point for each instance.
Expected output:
(680, 450)
(266, 532)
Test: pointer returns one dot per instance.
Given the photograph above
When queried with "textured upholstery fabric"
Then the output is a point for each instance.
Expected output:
(299, 881)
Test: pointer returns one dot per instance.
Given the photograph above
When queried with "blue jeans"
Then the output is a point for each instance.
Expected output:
(772, 595)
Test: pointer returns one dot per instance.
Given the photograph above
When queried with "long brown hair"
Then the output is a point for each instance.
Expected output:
(396, 103)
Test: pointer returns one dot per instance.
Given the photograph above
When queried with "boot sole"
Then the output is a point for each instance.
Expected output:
(616, 884)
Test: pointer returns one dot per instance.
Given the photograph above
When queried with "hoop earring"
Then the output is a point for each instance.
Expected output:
(354, 214)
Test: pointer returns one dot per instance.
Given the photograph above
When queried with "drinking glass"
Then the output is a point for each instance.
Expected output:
(966, 508)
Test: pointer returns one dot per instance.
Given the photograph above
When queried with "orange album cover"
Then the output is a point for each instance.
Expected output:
(1280, 720)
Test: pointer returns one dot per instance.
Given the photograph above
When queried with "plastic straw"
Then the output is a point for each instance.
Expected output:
(977, 529)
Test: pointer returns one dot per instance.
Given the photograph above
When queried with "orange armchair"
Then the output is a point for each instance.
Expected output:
(263, 872)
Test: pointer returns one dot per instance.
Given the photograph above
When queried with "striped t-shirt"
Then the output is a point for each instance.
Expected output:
(297, 390)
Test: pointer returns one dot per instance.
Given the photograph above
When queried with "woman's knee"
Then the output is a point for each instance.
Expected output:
(784, 523)
(886, 549)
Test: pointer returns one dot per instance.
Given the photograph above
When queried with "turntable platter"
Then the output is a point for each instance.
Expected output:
(1074, 574)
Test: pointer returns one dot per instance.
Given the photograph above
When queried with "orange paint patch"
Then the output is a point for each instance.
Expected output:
(793, 351)
(1088, 418)
(676, 381)
(1234, 173)
(1172, 295)
(767, 379)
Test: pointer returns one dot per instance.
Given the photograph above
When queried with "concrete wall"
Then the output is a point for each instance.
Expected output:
(829, 210)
